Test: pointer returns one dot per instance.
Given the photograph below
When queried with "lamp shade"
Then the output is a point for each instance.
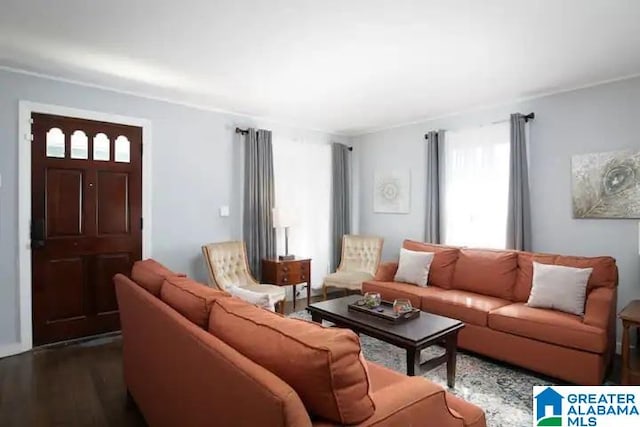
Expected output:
(280, 218)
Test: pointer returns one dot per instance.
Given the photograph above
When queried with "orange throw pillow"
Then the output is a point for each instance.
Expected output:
(323, 365)
(150, 274)
(443, 264)
(191, 299)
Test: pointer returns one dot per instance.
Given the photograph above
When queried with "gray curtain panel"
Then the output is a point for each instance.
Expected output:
(340, 199)
(432, 219)
(259, 198)
(519, 214)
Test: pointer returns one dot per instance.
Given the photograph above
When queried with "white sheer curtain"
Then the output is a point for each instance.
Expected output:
(302, 172)
(475, 186)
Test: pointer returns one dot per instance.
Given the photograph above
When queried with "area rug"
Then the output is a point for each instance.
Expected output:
(504, 392)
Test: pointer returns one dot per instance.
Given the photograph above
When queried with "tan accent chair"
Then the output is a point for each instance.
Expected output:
(228, 266)
(358, 263)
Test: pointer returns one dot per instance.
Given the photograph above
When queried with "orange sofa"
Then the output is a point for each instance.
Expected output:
(194, 356)
(488, 290)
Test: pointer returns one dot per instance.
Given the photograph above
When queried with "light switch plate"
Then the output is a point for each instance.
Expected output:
(224, 211)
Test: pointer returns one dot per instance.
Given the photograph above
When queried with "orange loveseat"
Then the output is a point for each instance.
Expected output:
(488, 290)
(194, 356)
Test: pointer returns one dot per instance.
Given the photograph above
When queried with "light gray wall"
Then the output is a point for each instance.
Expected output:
(194, 164)
(597, 119)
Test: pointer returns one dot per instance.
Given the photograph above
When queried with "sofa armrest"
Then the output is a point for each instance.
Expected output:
(386, 271)
(600, 311)
(600, 303)
(409, 403)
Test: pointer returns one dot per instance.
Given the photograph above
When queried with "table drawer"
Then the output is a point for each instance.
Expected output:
(286, 272)
(289, 268)
(297, 276)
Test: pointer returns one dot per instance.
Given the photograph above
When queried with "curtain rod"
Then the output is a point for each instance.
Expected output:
(526, 117)
(246, 131)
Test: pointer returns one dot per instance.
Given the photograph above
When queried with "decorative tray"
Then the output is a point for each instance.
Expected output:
(384, 311)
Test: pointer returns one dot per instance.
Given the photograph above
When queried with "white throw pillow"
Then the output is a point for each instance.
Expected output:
(413, 267)
(559, 288)
(259, 299)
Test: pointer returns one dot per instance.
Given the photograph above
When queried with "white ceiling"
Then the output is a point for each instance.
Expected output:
(336, 65)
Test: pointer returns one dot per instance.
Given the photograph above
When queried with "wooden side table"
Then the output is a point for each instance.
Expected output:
(630, 316)
(288, 273)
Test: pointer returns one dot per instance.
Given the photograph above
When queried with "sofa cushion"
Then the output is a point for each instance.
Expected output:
(275, 293)
(486, 272)
(191, 299)
(549, 326)
(468, 307)
(382, 377)
(443, 264)
(394, 290)
(323, 365)
(524, 276)
(252, 297)
(150, 274)
(604, 274)
(347, 279)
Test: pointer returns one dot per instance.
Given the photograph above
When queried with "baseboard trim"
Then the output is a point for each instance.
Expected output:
(12, 349)
(79, 340)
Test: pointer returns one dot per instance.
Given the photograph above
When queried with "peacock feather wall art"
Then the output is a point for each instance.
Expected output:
(606, 185)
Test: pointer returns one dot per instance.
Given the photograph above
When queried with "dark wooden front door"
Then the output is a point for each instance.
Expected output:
(86, 223)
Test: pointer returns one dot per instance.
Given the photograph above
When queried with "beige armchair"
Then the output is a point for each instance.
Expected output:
(358, 263)
(228, 266)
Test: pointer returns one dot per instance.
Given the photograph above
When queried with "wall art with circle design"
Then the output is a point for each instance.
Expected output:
(392, 192)
(606, 185)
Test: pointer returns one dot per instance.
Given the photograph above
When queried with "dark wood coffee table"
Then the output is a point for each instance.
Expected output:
(413, 335)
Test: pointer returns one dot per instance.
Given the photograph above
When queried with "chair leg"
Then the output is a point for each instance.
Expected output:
(324, 292)
(281, 307)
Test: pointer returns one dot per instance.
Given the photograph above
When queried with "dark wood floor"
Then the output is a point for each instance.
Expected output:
(79, 384)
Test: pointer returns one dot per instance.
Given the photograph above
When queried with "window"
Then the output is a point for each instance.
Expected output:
(302, 175)
(475, 186)
(55, 143)
(101, 148)
(122, 149)
(79, 145)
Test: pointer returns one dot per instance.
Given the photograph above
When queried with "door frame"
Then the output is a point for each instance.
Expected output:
(26, 108)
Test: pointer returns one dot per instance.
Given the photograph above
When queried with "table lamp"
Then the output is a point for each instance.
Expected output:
(281, 220)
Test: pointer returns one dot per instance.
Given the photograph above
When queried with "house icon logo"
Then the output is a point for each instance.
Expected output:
(548, 408)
